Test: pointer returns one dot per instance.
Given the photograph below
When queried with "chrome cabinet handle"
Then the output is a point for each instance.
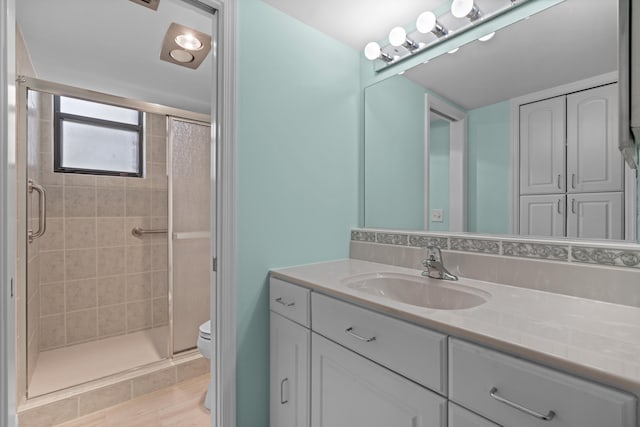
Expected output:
(42, 210)
(494, 395)
(559, 207)
(282, 399)
(559, 182)
(286, 304)
(573, 205)
(349, 331)
(573, 180)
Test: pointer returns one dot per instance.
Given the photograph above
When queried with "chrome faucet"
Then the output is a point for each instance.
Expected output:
(435, 266)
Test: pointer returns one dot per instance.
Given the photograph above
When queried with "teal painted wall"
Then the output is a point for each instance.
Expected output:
(489, 157)
(299, 109)
(394, 154)
(439, 135)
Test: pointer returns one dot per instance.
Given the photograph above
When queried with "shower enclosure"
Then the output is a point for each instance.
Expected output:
(116, 234)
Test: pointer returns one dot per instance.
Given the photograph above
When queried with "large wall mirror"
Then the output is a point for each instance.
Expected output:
(517, 134)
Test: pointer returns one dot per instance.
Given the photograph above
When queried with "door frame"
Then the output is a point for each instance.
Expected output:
(223, 296)
(457, 161)
(630, 182)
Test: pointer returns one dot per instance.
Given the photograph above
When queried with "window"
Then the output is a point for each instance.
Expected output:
(97, 139)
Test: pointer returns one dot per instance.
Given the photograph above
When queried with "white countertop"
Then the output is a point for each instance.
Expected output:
(592, 339)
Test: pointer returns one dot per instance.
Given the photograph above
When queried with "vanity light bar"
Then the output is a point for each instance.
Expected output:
(402, 46)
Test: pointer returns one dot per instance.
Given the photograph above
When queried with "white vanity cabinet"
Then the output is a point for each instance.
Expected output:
(514, 392)
(289, 355)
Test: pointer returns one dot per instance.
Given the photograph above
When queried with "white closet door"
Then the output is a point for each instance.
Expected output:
(542, 215)
(594, 162)
(595, 216)
(542, 147)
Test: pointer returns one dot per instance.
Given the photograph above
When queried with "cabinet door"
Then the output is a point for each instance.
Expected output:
(460, 417)
(594, 162)
(542, 147)
(595, 216)
(351, 391)
(289, 390)
(543, 215)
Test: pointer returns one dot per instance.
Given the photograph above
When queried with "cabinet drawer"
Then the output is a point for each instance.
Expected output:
(460, 417)
(291, 301)
(416, 353)
(475, 372)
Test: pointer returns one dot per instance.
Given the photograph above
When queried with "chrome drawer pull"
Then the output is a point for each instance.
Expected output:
(286, 304)
(494, 395)
(282, 398)
(349, 331)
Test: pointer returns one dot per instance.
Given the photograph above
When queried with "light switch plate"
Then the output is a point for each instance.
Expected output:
(437, 215)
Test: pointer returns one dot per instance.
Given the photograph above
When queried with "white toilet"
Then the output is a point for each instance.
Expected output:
(204, 346)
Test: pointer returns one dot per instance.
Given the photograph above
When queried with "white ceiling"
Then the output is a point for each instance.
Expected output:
(113, 46)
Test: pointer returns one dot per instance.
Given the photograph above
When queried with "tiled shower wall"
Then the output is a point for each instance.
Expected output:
(97, 279)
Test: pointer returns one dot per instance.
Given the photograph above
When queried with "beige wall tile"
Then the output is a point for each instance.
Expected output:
(104, 397)
(159, 203)
(52, 266)
(158, 149)
(55, 201)
(158, 175)
(80, 294)
(51, 414)
(79, 179)
(79, 201)
(111, 290)
(139, 315)
(80, 264)
(33, 317)
(110, 181)
(138, 286)
(159, 259)
(157, 125)
(111, 320)
(82, 325)
(138, 258)
(111, 202)
(52, 331)
(160, 312)
(159, 283)
(52, 298)
(34, 271)
(192, 368)
(80, 233)
(110, 232)
(111, 261)
(53, 239)
(47, 175)
(138, 202)
(154, 381)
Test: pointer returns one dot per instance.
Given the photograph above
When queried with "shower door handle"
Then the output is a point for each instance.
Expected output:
(42, 210)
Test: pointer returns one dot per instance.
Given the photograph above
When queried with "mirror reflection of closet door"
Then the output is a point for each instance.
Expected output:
(190, 145)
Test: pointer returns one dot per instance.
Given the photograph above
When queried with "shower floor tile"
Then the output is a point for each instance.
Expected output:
(65, 367)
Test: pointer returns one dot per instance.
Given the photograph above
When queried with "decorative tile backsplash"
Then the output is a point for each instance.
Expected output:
(600, 254)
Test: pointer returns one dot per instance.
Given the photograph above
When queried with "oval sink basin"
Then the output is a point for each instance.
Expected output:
(418, 291)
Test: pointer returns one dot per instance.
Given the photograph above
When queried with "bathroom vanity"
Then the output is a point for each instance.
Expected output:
(346, 351)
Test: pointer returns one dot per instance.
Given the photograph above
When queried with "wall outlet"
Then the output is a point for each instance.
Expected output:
(437, 215)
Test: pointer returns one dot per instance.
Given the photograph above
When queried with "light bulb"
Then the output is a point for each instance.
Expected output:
(397, 36)
(487, 37)
(461, 8)
(454, 50)
(426, 22)
(372, 51)
(189, 42)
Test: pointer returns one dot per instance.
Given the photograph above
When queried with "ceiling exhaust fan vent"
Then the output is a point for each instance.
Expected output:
(151, 4)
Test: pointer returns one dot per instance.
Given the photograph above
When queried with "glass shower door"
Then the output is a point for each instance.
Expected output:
(190, 185)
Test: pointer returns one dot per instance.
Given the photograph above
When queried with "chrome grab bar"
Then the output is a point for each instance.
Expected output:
(139, 232)
(42, 210)
(494, 395)
(286, 304)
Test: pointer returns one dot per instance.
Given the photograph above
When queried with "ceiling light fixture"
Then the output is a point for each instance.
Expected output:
(188, 41)
(465, 8)
(185, 46)
(487, 37)
(454, 50)
(398, 37)
(428, 23)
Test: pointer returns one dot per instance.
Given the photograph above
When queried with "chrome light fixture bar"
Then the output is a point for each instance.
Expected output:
(432, 30)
